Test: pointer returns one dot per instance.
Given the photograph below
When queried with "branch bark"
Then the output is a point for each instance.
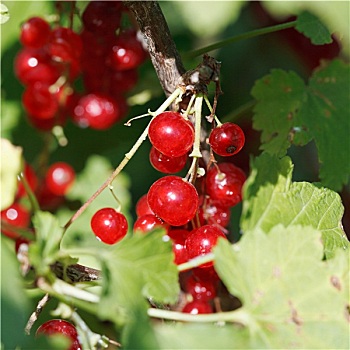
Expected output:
(161, 46)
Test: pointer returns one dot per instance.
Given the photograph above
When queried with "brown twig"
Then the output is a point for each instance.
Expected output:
(161, 46)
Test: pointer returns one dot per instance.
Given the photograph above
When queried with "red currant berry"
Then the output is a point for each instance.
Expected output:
(35, 32)
(202, 240)
(200, 290)
(174, 200)
(39, 102)
(102, 17)
(32, 66)
(65, 45)
(196, 307)
(227, 139)
(224, 183)
(61, 327)
(59, 178)
(147, 223)
(178, 237)
(142, 207)
(109, 226)
(166, 164)
(205, 274)
(17, 216)
(97, 111)
(127, 52)
(122, 81)
(171, 134)
(213, 213)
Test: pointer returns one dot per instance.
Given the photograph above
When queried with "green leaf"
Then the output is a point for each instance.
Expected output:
(285, 289)
(201, 336)
(325, 114)
(289, 112)
(271, 198)
(313, 28)
(279, 96)
(10, 167)
(136, 268)
(46, 248)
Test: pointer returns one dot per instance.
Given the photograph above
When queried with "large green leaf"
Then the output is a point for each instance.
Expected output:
(271, 198)
(288, 111)
(285, 288)
(136, 268)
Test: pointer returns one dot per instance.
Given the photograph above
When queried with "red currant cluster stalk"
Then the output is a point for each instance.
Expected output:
(104, 54)
(193, 210)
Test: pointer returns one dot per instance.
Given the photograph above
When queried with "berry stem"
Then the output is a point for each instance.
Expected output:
(185, 115)
(196, 262)
(239, 316)
(32, 199)
(69, 294)
(34, 316)
(126, 159)
(197, 127)
(211, 110)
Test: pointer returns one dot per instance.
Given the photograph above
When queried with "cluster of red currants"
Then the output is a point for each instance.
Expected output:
(49, 191)
(105, 55)
(194, 216)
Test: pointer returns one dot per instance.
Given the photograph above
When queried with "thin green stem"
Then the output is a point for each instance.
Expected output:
(59, 293)
(239, 316)
(196, 262)
(239, 37)
(32, 199)
(126, 159)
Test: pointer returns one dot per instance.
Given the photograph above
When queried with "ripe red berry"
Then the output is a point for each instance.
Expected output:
(127, 52)
(17, 216)
(178, 237)
(39, 102)
(142, 207)
(109, 226)
(122, 81)
(213, 212)
(147, 223)
(224, 183)
(196, 307)
(102, 17)
(97, 111)
(32, 66)
(35, 32)
(202, 240)
(59, 178)
(166, 164)
(200, 290)
(174, 200)
(171, 134)
(61, 327)
(227, 139)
